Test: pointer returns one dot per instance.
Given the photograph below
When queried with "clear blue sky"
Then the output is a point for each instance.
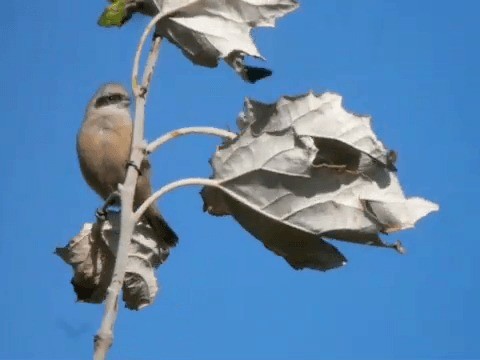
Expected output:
(412, 65)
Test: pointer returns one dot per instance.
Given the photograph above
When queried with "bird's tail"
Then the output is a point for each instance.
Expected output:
(160, 226)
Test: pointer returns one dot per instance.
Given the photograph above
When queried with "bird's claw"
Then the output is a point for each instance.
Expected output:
(101, 214)
(135, 166)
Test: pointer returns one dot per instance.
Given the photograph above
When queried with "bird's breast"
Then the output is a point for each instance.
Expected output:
(103, 154)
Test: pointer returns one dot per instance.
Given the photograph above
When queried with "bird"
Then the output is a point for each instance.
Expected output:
(103, 149)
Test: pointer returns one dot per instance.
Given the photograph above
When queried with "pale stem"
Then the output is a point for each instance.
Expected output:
(136, 61)
(172, 186)
(204, 130)
(104, 338)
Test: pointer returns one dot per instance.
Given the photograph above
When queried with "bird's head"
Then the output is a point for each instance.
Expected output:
(111, 97)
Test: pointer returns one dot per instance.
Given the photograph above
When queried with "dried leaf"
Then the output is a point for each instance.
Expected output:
(304, 169)
(114, 14)
(209, 30)
(91, 255)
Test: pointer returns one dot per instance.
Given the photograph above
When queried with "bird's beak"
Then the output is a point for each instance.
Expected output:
(126, 102)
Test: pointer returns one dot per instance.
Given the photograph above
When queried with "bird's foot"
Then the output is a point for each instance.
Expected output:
(112, 199)
(101, 214)
(135, 166)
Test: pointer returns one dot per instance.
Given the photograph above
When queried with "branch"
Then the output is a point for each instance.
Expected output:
(172, 186)
(136, 61)
(205, 130)
(104, 338)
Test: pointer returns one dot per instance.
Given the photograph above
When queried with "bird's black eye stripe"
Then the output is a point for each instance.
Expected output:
(115, 98)
(108, 99)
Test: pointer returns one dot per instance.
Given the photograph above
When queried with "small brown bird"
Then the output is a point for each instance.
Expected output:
(103, 148)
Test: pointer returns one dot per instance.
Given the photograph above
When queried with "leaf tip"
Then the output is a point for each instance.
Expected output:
(114, 14)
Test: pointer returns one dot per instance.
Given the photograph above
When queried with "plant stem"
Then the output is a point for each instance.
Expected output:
(172, 186)
(205, 130)
(136, 60)
(104, 338)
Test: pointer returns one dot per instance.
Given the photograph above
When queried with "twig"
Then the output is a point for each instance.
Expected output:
(172, 186)
(205, 130)
(143, 39)
(136, 61)
(104, 338)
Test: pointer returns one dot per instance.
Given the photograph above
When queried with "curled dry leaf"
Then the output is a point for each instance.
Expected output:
(91, 255)
(114, 15)
(304, 169)
(209, 30)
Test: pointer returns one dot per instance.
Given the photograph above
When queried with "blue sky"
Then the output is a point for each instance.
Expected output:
(413, 66)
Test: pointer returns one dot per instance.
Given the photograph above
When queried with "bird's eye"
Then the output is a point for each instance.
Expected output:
(112, 97)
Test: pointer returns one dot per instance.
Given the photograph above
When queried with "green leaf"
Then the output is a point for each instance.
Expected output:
(114, 15)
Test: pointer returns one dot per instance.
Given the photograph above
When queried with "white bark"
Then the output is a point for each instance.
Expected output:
(104, 338)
